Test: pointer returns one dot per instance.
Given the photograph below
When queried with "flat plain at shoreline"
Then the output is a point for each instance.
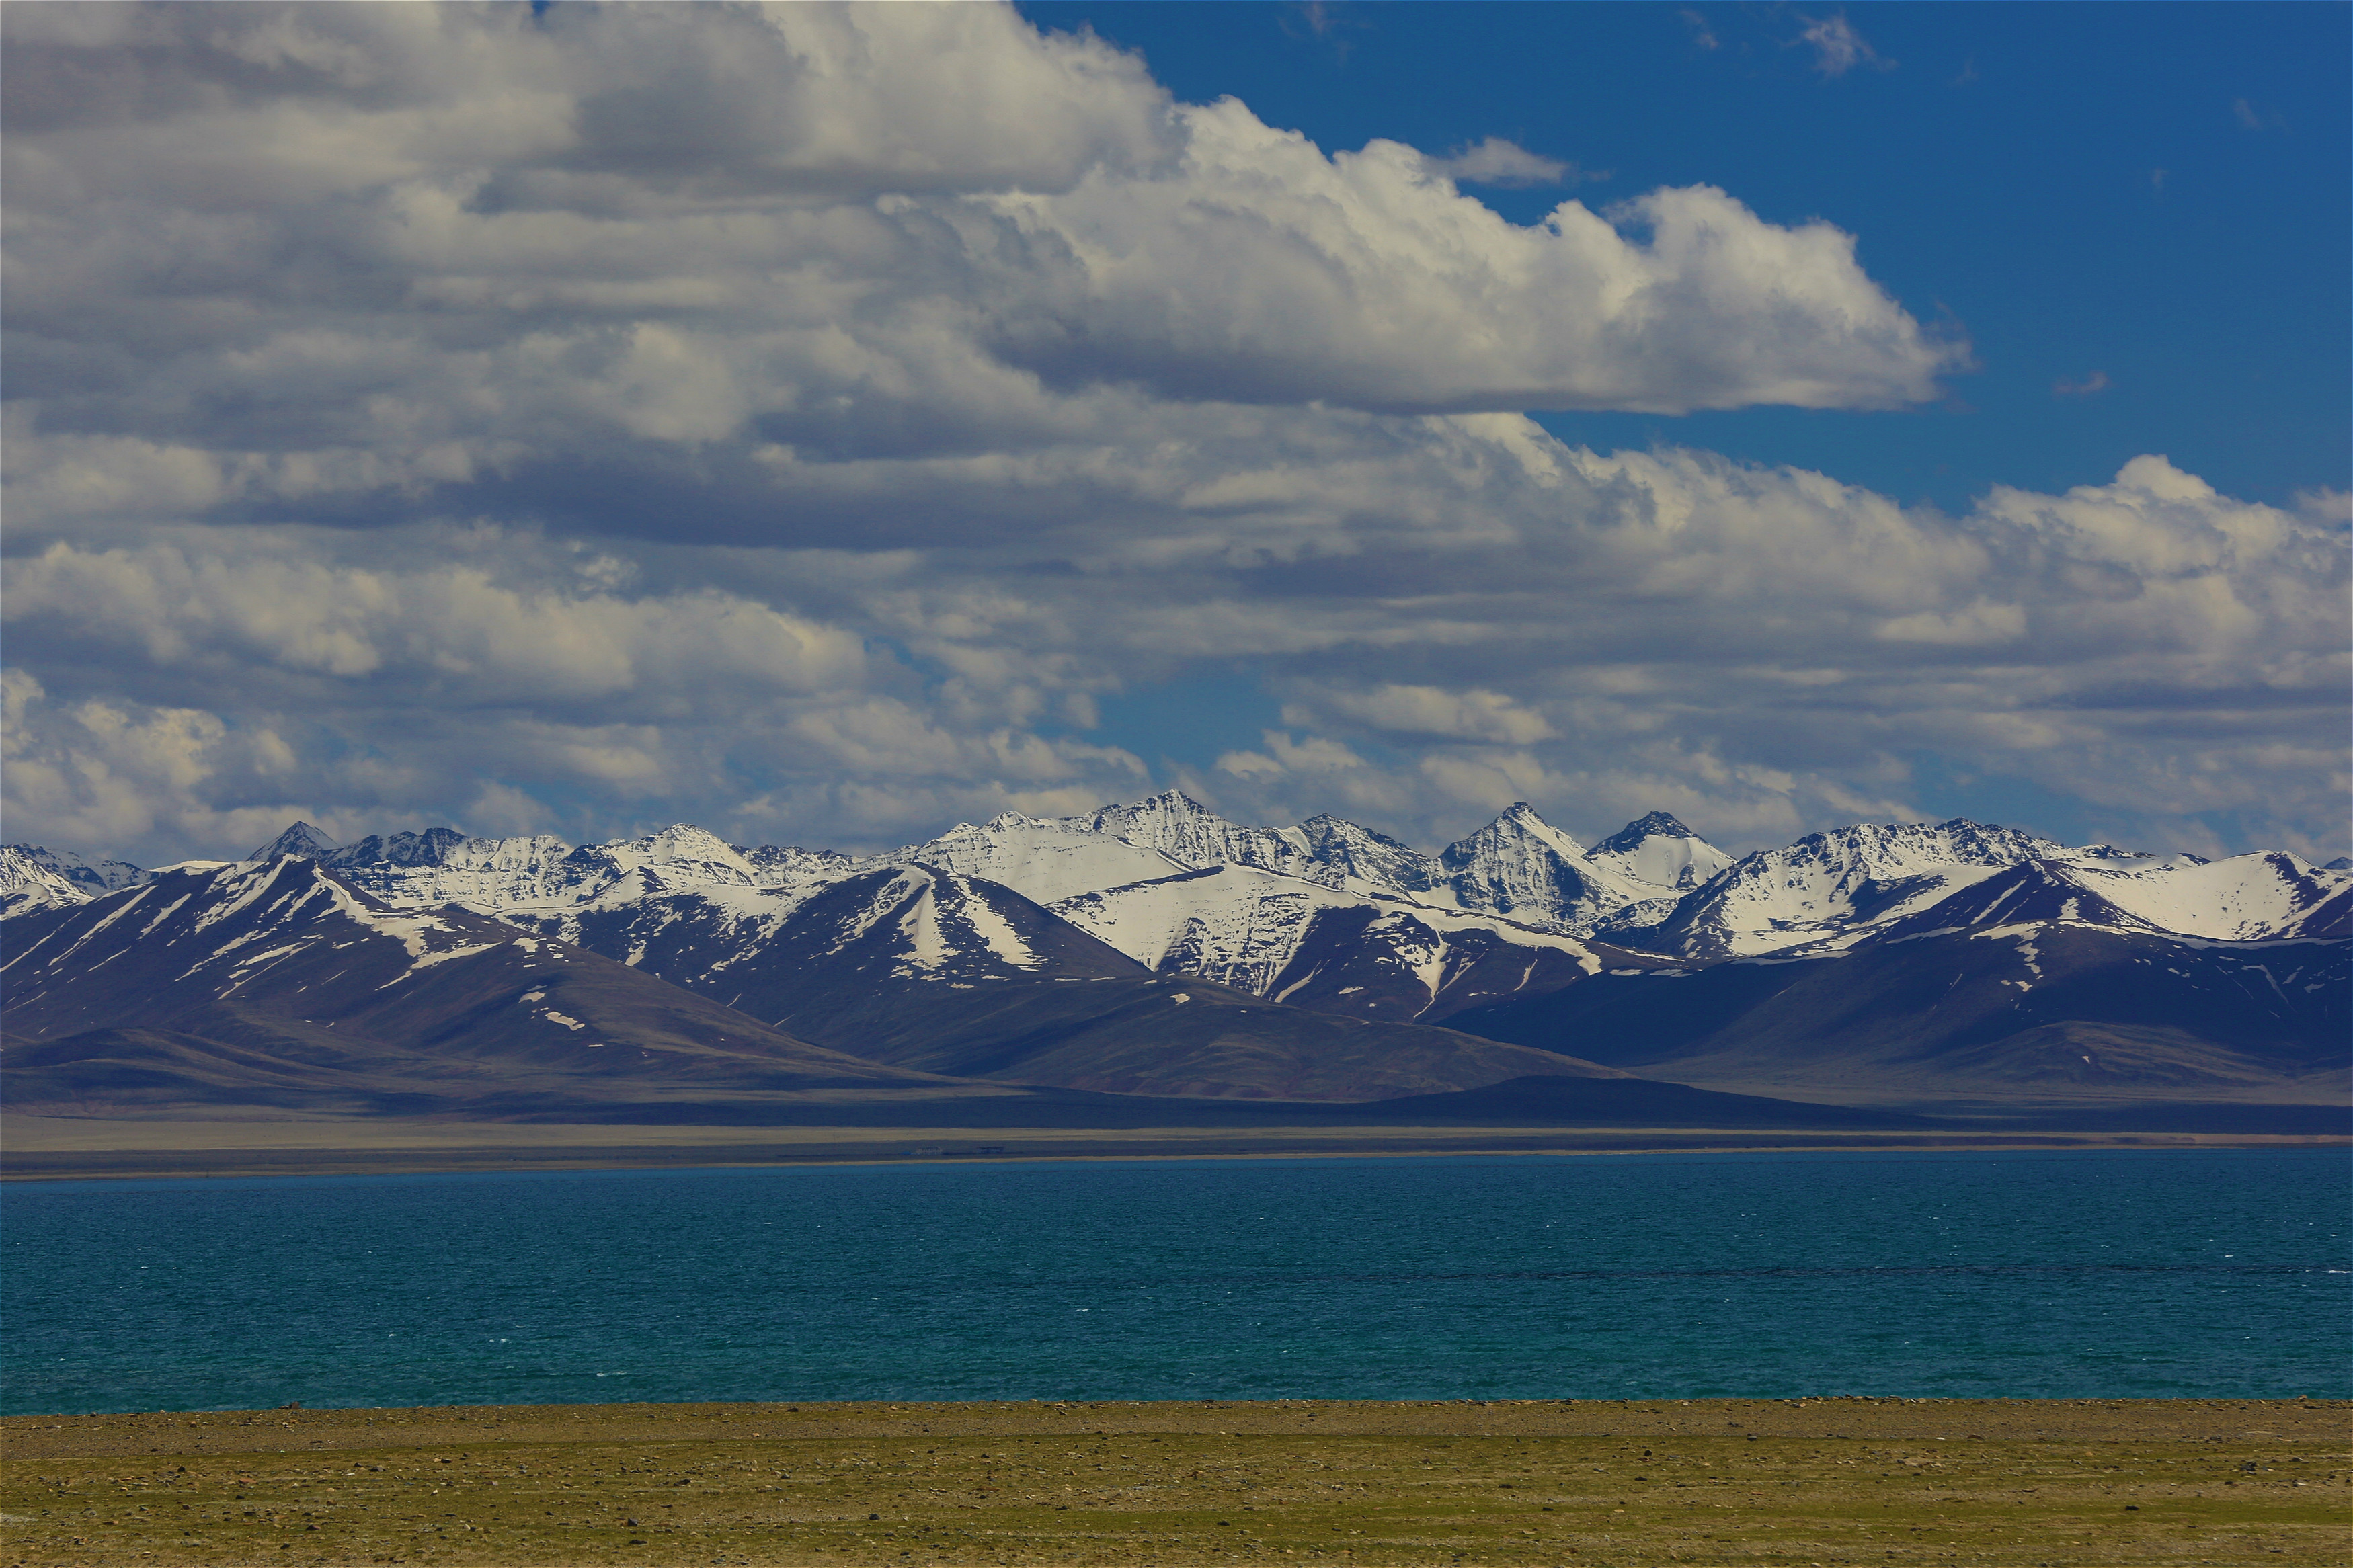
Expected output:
(34, 1148)
(1811, 1481)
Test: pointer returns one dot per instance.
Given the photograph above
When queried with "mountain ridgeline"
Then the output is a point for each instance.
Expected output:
(1156, 955)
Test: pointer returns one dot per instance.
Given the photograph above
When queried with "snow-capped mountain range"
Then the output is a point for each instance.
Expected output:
(1830, 890)
(1134, 876)
(1158, 948)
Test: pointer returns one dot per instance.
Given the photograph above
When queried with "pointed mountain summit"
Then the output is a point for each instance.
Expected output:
(1523, 866)
(28, 881)
(1653, 825)
(680, 853)
(302, 841)
(1369, 857)
(92, 877)
(1660, 851)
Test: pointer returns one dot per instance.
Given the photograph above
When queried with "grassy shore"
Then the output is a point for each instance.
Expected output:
(891, 1485)
(48, 1148)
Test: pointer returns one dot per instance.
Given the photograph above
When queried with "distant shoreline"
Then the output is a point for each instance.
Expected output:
(38, 1149)
(1819, 1415)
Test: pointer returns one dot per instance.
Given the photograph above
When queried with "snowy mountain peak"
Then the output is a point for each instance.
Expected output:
(28, 883)
(1887, 850)
(1192, 835)
(302, 840)
(1369, 857)
(1990, 842)
(919, 922)
(1522, 866)
(1041, 858)
(1172, 811)
(430, 847)
(1653, 825)
(2246, 898)
(92, 877)
(789, 863)
(1168, 801)
(680, 844)
(1660, 852)
(487, 874)
(680, 854)
(1844, 881)
(1515, 825)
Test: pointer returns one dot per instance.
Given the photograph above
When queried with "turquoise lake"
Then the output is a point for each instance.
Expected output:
(2192, 1273)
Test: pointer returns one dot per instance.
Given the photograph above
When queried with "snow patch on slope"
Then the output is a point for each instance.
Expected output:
(1042, 858)
(2243, 897)
(1659, 851)
(1243, 927)
(996, 932)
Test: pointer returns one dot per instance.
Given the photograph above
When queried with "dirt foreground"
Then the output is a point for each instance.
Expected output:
(1797, 1482)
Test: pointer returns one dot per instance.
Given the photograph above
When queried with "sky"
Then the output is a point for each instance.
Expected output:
(825, 425)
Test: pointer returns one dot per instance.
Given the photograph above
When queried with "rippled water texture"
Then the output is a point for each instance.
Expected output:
(2178, 1273)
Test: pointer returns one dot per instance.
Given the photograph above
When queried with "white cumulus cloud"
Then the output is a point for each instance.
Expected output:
(804, 419)
(1495, 162)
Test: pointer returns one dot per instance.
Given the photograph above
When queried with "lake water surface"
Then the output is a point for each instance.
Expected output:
(2204, 1273)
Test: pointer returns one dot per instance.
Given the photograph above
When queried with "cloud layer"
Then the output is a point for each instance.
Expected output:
(799, 419)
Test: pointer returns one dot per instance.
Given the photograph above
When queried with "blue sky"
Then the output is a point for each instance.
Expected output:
(824, 423)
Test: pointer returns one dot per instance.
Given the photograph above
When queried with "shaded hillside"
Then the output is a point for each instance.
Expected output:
(2059, 1007)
